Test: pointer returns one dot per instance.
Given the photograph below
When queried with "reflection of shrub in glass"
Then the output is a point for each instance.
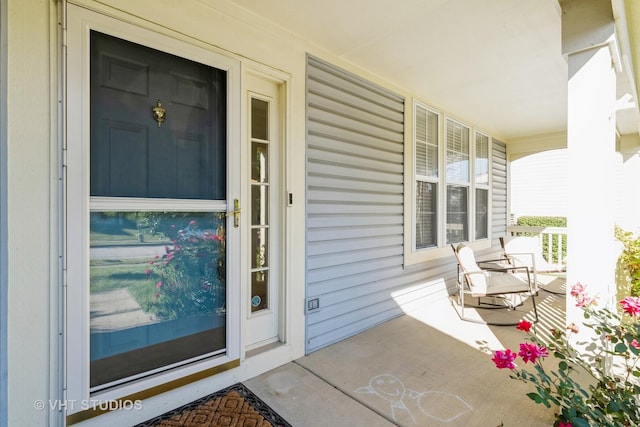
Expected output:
(189, 279)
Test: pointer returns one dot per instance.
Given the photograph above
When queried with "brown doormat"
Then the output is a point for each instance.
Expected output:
(235, 406)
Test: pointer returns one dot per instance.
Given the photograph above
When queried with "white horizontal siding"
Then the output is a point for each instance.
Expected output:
(499, 201)
(355, 172)
(355, 178)
(539, 184)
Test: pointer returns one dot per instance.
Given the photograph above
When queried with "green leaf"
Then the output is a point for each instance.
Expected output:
(621, 348)
(559, 355)
(535, 397)
(613, 407)
(579, 422)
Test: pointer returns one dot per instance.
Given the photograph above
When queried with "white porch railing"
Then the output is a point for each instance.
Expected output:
(552, 239)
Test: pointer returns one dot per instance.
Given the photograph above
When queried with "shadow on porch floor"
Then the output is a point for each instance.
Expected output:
(425, 368)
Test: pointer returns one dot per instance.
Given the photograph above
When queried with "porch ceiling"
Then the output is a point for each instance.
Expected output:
(495, 63)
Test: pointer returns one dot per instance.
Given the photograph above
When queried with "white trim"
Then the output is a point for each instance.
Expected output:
(80, 22)
(132, 204)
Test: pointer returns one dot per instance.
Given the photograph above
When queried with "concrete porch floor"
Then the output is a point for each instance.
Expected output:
(425, 368)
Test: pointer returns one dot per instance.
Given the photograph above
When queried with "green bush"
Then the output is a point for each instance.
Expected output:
(629, 259)
(548, 221)
(543, 221)
(189, 279)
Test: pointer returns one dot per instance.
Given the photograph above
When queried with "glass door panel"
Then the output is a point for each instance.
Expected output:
(260, 295)
(157, 291)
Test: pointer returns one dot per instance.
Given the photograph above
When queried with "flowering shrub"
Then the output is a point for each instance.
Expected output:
(189, 278)
(629, 259)
(609, 364)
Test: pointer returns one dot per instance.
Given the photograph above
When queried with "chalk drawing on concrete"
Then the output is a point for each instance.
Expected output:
(435, 404)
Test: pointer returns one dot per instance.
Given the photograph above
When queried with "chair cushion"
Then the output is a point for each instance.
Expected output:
(477, 279)
(499, 283)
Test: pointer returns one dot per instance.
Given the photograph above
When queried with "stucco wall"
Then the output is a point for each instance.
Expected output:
(3, 215)
(628, 192)
(31, 208)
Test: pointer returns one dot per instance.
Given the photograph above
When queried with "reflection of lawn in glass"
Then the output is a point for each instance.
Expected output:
(111, 275)
(102, 234)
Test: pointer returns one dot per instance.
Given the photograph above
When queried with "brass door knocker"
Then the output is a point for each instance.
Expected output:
(159, 113)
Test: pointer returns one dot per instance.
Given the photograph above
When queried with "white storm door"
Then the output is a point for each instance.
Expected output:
(153, 261)
(264, 213)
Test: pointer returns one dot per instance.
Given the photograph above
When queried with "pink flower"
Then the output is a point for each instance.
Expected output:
(577, 289)
(504, 359)
(573, 328)
(530, 352)
(584, 300)
(159, 284)
(147, 272)
(524, 326)
(563, 424)
(192, 223)
(635, 343)
(631, 305)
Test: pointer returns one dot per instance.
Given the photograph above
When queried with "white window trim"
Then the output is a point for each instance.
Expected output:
(412, 255)
(80, 22)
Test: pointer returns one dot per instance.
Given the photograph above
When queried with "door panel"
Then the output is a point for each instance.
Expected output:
(127, 82)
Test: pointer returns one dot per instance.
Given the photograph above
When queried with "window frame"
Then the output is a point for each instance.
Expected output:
(412, 254)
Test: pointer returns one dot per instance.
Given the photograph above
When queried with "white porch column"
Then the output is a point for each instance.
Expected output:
(588, 41)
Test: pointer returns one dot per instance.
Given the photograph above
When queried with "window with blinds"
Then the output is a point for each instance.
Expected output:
(462, 214)
(426, 143)
(457, 160)
(426, 166)
(457, 152)
(481, 174)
